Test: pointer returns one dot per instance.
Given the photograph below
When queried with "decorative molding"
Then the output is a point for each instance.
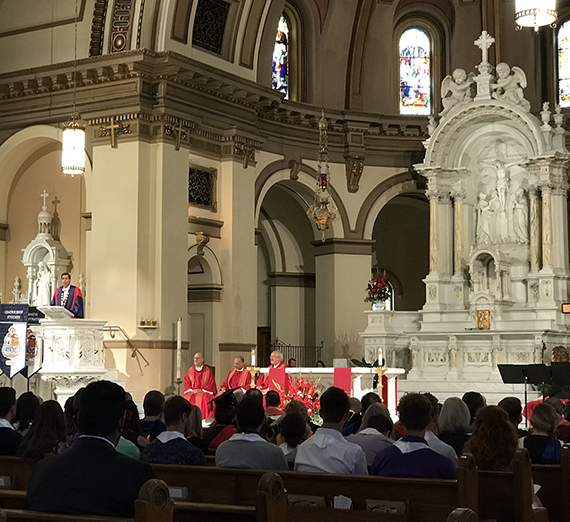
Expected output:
(361, 247)
(181, 21)
(139, 27)
(121, 26)
(236, 347)
(98, 27)
(292, 280)
(211, 227)
(354, 168)
(205, 294)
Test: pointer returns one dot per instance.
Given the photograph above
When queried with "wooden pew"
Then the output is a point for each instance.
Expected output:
(15, 472)
(554, 482)
(153, 505)
(430, 500)
(507, 496)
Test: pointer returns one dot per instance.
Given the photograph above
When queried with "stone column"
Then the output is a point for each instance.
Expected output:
(535, 247)
(546, 225)
(458, 198)
(433, 196)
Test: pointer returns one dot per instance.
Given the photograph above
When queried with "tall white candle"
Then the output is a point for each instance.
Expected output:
(253, 356)
(178, 347)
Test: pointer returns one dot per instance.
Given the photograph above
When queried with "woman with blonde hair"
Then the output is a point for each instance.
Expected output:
(494, 440)
(542, 444)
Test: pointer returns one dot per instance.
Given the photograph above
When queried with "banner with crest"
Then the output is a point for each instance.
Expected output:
(13, 336)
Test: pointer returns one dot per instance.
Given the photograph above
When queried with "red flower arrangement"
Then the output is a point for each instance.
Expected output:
(305, 391)
(378, 290)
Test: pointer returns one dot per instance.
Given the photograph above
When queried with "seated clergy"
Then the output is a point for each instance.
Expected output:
(239, 377)
(171, 446)
(91, 478)
(247, 449)
(327, 451)
(411, 456)
(10, 439)
(200, 385)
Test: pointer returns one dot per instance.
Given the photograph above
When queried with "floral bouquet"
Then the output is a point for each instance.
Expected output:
(305, 391)
(378, 290)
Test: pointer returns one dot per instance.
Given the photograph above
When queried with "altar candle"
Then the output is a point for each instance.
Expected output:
(178, 347)
(253, 356)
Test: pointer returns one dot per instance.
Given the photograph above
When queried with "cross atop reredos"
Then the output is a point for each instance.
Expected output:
(44, 195)
(484, 42)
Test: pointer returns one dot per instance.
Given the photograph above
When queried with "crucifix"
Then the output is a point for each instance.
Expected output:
(484, 42)
(44, 196)
(179, 129)
(113, 129)
(55, 203)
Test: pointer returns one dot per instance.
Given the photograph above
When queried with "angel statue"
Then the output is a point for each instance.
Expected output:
(456, 89)
(510, 86)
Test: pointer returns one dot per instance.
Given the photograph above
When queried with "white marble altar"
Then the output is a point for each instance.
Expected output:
(497, 183)
(72, 350)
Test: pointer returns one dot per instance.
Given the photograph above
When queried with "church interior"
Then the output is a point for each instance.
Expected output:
(205, 147)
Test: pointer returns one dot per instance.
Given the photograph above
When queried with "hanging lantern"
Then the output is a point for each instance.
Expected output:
(73, 153)
(535, 13)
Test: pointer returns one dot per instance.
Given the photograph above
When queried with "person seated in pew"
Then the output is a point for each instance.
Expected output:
(293, 429)
(153, 406)
(355, 418)
(453, 424)
(45, 433)
(475, 401)
(91, 478)
(374, 433)
(297, 408)
(247, 449)
(27, 406)
(327, 451)
(494, 440)
(564, 430)
(541, 444)
(513, 407)
(272, 403)
(432, 429)
(10, 439)
(171, 446)
(411, 456)
(224, 421)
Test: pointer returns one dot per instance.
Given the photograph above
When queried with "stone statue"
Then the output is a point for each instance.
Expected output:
(16, 291)
(42, 286)
(456, 89)
(484, 219)
(520, 216)
(510, 85)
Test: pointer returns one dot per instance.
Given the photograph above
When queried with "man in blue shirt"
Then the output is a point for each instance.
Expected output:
(411, 456)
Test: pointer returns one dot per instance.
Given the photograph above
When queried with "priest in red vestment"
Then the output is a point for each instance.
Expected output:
(276, 359)
(239, 377)
(200, 385)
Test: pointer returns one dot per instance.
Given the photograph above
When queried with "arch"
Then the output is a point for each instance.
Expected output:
(211, 260)
(378, 197)
(301, 179)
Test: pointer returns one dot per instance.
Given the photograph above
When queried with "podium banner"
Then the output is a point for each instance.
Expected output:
(13, 335)
(34, 343)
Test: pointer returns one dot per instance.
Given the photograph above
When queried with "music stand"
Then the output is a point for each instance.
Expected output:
(525, 374)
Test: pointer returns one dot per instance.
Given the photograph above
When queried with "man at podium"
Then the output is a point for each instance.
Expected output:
(68, 296)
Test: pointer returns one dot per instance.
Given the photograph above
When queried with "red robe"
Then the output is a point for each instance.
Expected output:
(200, 380)
(263, 379)
(237, 379)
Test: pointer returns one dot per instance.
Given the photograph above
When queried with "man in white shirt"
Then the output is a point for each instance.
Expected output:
(430, 436)
(327, 451)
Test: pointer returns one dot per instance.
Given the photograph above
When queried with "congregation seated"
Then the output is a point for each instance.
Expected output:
(430, 435)
(327, 451)
(411, 456)
(45, 434)
(10, 439)
(152, 423)
(453, 424)
(494, 440)
(246, 448)
(564, 429)
(272, 403)
(132, 429)
(171, 446)
(296, 408)
(541, 444)
(27, 406)
(266, 431)
(513, 408)
(293, 430)
(71, 413)
(91, 478)
(355, 417)
(374, 433)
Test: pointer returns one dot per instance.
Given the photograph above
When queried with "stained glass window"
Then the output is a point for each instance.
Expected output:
(415, 78)
(280, 76)
(564, 64)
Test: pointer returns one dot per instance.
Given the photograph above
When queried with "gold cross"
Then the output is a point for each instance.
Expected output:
(113, 127)
(179, 131)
